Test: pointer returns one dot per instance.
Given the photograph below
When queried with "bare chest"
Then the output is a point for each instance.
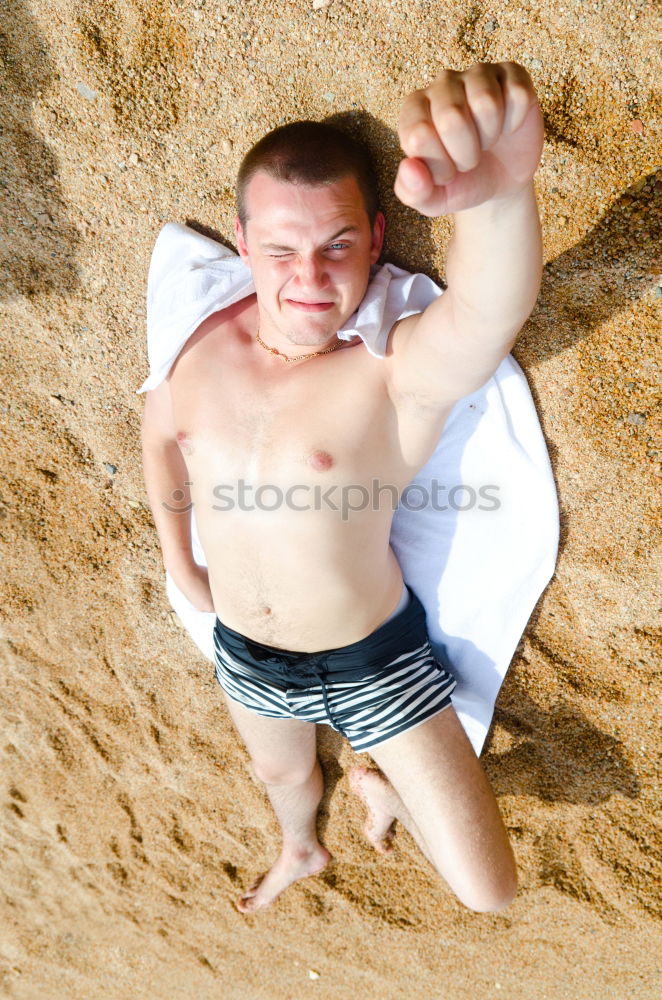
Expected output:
(327, 419)
(326, 422)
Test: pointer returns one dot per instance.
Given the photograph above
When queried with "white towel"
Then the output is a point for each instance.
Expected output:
(478, 572)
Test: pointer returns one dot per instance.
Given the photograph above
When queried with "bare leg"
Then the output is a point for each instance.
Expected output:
(439, 791)
(295, 806)
(384, 807)
(284, 757)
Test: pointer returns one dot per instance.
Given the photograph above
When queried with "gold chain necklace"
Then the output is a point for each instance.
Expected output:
(300, 357)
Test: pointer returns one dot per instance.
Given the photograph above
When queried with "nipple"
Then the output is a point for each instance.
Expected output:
(321, 460)
(184, 442)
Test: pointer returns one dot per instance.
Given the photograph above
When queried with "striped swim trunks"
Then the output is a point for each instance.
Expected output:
(369, 691)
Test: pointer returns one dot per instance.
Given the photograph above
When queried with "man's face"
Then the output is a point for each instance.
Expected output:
(310, 250)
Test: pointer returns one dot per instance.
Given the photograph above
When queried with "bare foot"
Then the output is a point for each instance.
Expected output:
(290, 866)
(378, 795)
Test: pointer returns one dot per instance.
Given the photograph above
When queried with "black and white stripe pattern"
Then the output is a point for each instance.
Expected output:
(368, 711)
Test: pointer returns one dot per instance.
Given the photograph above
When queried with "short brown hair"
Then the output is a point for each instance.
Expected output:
(308, 152)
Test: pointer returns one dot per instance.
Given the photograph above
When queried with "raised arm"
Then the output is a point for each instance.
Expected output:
(473, 142)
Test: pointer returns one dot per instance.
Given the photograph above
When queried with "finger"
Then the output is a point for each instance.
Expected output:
(519, 94)
(486, 100)
(413, 181)
(453, 121)
(419, 137)
(426, 198)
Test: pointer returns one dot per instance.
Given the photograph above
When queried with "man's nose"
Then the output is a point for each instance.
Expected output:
(311, 270)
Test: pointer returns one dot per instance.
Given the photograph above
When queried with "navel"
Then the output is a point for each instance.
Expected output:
(321, 460)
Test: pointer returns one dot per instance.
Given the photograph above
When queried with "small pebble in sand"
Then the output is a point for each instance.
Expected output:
(312, 974)
(86, 91)
(112, 469)
(134, 159)
(320, 4)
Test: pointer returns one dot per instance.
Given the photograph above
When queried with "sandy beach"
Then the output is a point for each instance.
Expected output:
(130, 822)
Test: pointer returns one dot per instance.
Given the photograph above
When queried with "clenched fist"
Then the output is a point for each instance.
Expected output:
(469, 137)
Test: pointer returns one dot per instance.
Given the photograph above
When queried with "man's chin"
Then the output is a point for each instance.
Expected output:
(311, 331)
(297, 339)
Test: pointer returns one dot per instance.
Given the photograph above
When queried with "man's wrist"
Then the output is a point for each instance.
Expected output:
(499, 204)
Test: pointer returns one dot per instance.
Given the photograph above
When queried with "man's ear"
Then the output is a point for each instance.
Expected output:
(378, 231)
(241, 242)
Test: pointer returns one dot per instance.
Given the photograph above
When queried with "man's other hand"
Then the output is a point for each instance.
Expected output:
(194, 585)
(469, 137)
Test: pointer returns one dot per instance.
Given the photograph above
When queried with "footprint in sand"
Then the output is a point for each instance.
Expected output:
(138, 57)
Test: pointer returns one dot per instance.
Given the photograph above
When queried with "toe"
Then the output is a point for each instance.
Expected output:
(246, 904)
(383, 846)
(386, 847)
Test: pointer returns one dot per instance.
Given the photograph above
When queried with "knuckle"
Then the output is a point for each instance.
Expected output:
(520, 92)
(412, 101)
(520, 75)
(408, 110)
(450, 118)
(413, 98)
(442, 81)
(480, 67)
(485, 100)
(403, 195)
(420, 137)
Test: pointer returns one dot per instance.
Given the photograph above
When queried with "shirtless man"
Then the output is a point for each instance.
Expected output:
(301, 581)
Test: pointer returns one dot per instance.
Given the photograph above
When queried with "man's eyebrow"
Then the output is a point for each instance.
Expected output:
(341, 232)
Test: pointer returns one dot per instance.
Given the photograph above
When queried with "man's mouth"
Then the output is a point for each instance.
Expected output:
(310, 306)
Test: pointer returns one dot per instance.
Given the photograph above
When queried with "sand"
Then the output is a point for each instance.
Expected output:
(130, 822)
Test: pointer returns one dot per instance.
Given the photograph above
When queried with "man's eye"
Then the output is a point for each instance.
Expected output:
(334, 246)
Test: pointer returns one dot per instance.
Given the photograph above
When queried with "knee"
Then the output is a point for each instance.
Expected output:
(272, 772)
(491, 899)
